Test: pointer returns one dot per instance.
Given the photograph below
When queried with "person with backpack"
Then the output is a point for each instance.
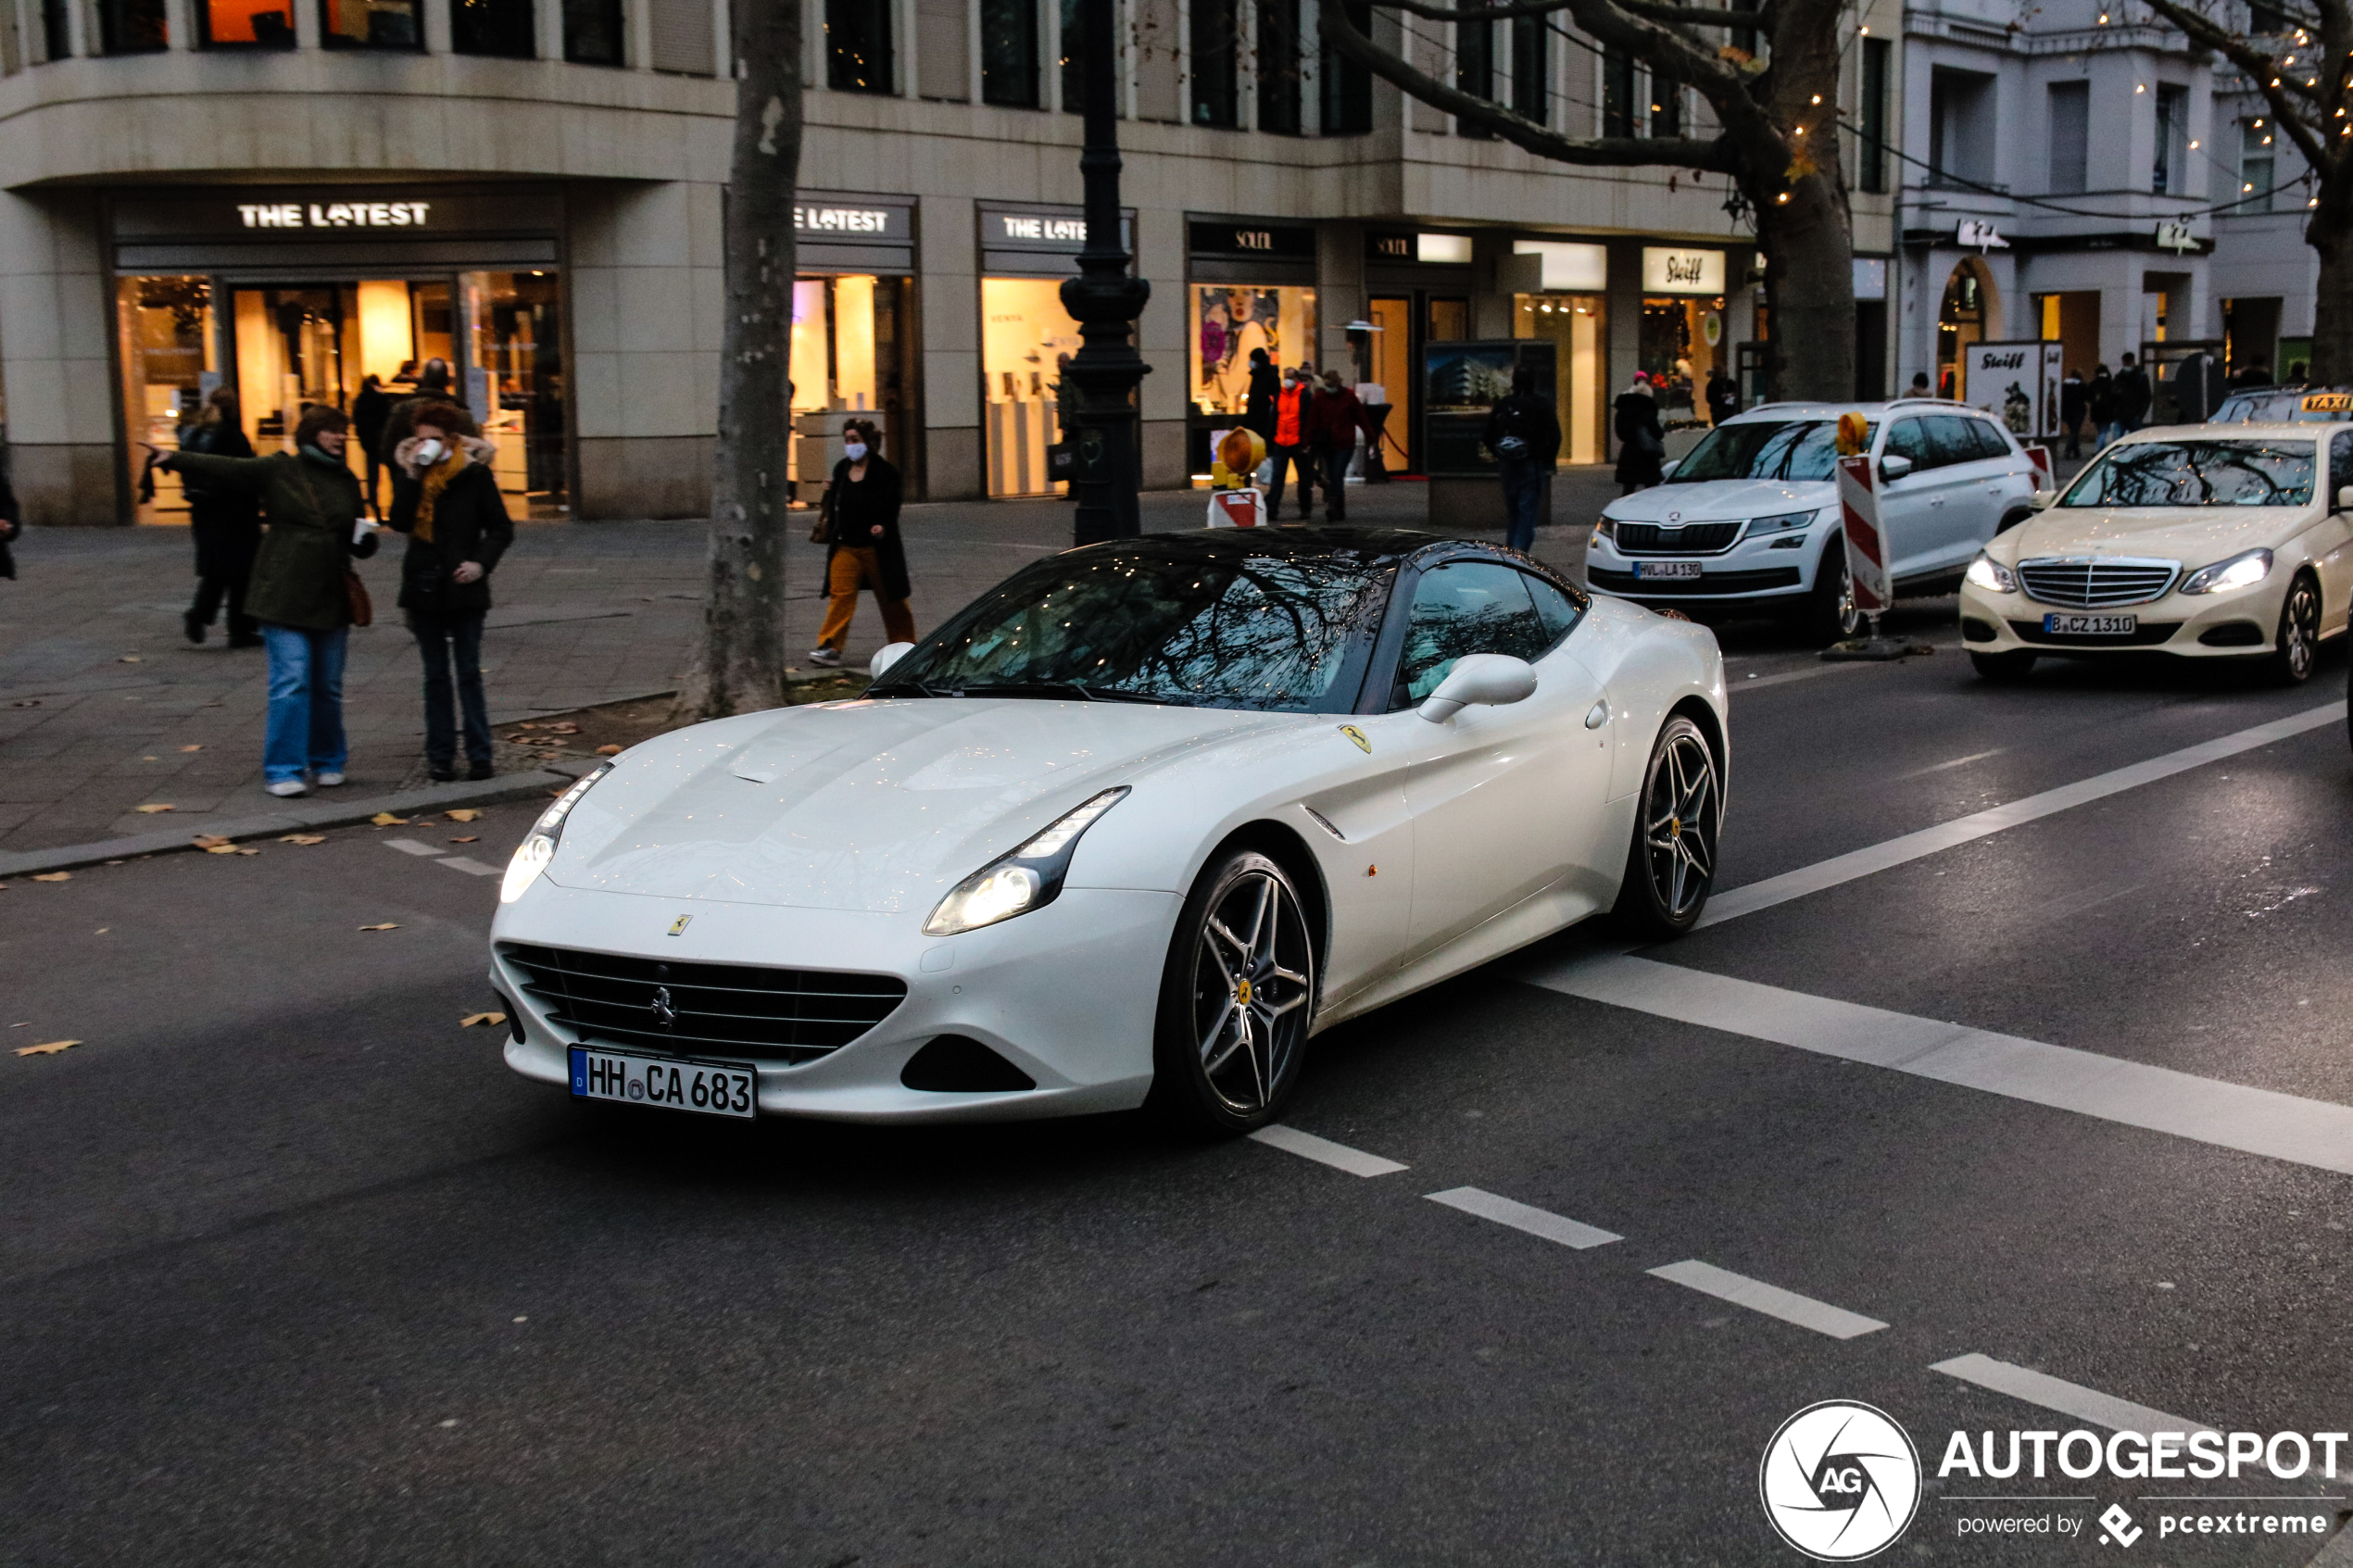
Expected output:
(445, 496)
(1525, 435)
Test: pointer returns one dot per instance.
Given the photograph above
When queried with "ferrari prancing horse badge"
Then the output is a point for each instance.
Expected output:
(1353, 732)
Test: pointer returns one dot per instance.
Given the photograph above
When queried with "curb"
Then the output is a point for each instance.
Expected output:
(296, 818)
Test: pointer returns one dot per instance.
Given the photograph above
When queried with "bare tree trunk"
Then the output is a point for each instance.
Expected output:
(2330, 233)
(1809, 283)
(739, 666)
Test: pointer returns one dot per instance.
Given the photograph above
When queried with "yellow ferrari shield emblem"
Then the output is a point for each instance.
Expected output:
(1353, 732)
(1242, 992)
(679, 924)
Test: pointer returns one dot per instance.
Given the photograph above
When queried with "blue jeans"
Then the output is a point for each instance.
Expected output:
(442, 642)
(306, 702)
(1523, 494)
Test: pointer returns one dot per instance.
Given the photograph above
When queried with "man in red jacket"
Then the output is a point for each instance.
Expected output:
(1338, 416)
(1294, 429)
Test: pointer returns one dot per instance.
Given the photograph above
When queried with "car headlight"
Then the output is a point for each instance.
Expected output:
(538, 846)
(2239, 572)
(1026, 879)
(1607, 529)
(1991, 575)
(1783, 521)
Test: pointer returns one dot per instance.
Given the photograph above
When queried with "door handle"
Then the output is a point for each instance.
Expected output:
(1598, 715)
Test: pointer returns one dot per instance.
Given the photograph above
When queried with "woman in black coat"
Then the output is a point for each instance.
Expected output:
(864, 550)
(1642, 445)
(445, 496)
(226, 524)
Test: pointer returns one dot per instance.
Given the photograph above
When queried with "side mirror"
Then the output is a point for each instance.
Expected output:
(1893, 467)
(1667, 472)
(1491, 678)
(2042, 499)
(886, 656)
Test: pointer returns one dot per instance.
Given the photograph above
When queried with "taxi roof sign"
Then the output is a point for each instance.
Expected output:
(2328, 402)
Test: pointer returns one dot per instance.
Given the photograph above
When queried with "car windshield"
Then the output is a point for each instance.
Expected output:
(1271, 633)
(2198, 473)
(1800, 449)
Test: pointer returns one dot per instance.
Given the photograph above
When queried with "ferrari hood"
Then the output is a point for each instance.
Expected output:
(873, 805)
(2194, 535)
(1714, 500)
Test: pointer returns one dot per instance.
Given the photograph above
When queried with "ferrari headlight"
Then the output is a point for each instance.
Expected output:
(2239, 572)
(1991, 575)
(1020, 881)
(1783, 521)
(538, 847)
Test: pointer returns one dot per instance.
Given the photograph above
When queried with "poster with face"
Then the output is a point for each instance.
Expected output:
(1231, 322)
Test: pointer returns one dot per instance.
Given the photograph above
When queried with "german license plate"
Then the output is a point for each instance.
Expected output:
(1656, 569)
(709, 1087)
(2092, 625)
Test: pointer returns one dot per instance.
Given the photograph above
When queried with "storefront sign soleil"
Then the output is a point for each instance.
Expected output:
(332, 215)
(1672, 269)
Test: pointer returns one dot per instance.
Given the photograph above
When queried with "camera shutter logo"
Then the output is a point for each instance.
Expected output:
(1840, 1481)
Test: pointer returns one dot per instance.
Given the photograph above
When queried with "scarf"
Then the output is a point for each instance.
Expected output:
(435, 480)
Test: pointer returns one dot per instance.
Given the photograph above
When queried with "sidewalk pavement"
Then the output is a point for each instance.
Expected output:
(104, 705)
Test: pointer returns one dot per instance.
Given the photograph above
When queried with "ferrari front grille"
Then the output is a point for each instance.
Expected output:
(2096, 584)
(789, 1015)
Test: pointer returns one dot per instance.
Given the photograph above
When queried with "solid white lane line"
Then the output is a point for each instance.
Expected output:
(1524, 1217)
(1956, 762)
(1770, 1299)
(472, 868)
(2068, 1399)
(1877, 858)
(1339, 1155)
(409, 846)
(2308, 1132)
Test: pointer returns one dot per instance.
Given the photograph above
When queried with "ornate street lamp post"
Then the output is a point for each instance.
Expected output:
(1103, 299)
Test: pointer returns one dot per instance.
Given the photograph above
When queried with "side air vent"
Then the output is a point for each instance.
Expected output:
(957, 1064)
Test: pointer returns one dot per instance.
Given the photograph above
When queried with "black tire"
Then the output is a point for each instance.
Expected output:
(1829, 615)
(1235, 1004)
(2296, 646)
(1670, 864)
(2002, 668)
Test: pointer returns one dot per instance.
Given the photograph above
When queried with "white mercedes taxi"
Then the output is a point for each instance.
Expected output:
(2184, 540)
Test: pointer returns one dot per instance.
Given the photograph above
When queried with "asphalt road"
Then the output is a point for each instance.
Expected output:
(295, 1272)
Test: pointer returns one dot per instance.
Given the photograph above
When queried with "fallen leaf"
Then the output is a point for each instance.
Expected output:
(387, 925)
(564, 729)
(148, 759)
(240, 849)
(222, 849)
(52, 1049)
(304, 838)
(128, 658)
(55, 876)
(470, 838)
(527, 724)
(386, 820)
(608, 751)
(474, 1017)
(151, 811)
(102, 931)
(463, 814)
(207, 840)
(192, 748)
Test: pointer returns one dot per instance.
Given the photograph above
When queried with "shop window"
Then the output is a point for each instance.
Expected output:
(593, 33)
(1027, 341)
(1217, 72)
(1231, 320)
(850, 356)
(1617, 94)
(1009, 52)
(1389, 356)
(1872, 152)
(370, 24)
(265, 24)
(166, 349)
(1682, 343)
(1532, 68)
(857, 58)
(1474, 69)
(500, 28)
(1346, 87)
(57, 30)
(1278, 84)
(1575, 324)
(515, 381)
(132, 27)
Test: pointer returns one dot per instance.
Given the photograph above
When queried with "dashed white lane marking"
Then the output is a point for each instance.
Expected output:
(1524, 1217)
(472, 868)
(2308, 1132)
(1339, 1155)
(1770, 1299)
(1961, 830)
(2068, 1399)
(410, 847)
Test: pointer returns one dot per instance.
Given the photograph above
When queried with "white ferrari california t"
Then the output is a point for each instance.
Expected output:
(1126, 830)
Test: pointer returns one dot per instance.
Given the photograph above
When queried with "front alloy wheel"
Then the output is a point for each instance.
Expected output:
(1235, 1000)
(2299, 645)
(1671, 864)
(1829, 615)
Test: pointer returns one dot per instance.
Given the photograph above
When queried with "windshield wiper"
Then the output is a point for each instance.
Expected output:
(1030, 688)
(904, 688)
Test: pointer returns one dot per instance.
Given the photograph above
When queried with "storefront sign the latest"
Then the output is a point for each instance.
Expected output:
(333, 215)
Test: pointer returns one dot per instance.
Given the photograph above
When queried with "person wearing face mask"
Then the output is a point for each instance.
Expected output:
(1338, 414)
(445, 496)
(863, 546)
(299, 589)
(1294, 430)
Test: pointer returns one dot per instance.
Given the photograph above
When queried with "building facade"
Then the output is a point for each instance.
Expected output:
(290, 196)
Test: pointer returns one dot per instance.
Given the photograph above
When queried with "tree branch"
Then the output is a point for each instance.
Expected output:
(1655, 11)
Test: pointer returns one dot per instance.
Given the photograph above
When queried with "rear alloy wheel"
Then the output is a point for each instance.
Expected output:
(2298, 647)
(2002, 668)
(1235, 999)
(1671, 864)
(1829, 615)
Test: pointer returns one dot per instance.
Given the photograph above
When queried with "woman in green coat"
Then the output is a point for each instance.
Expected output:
(297, 589)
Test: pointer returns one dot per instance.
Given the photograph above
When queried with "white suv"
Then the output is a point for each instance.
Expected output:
(1748, 522)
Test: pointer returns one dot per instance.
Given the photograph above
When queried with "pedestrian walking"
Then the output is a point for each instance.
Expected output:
(1723, 396)
(1920, 386)
(370, 412)
(445, 496)
(2133, 395)
(860, 520)
(2099, 399)
(2072, 409)
(1525, 435)
(2257, 373)
(1335, 420)
(225, 522)
(1642, 445)
(1258, 408)
(302, 589)
(1294, 419)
